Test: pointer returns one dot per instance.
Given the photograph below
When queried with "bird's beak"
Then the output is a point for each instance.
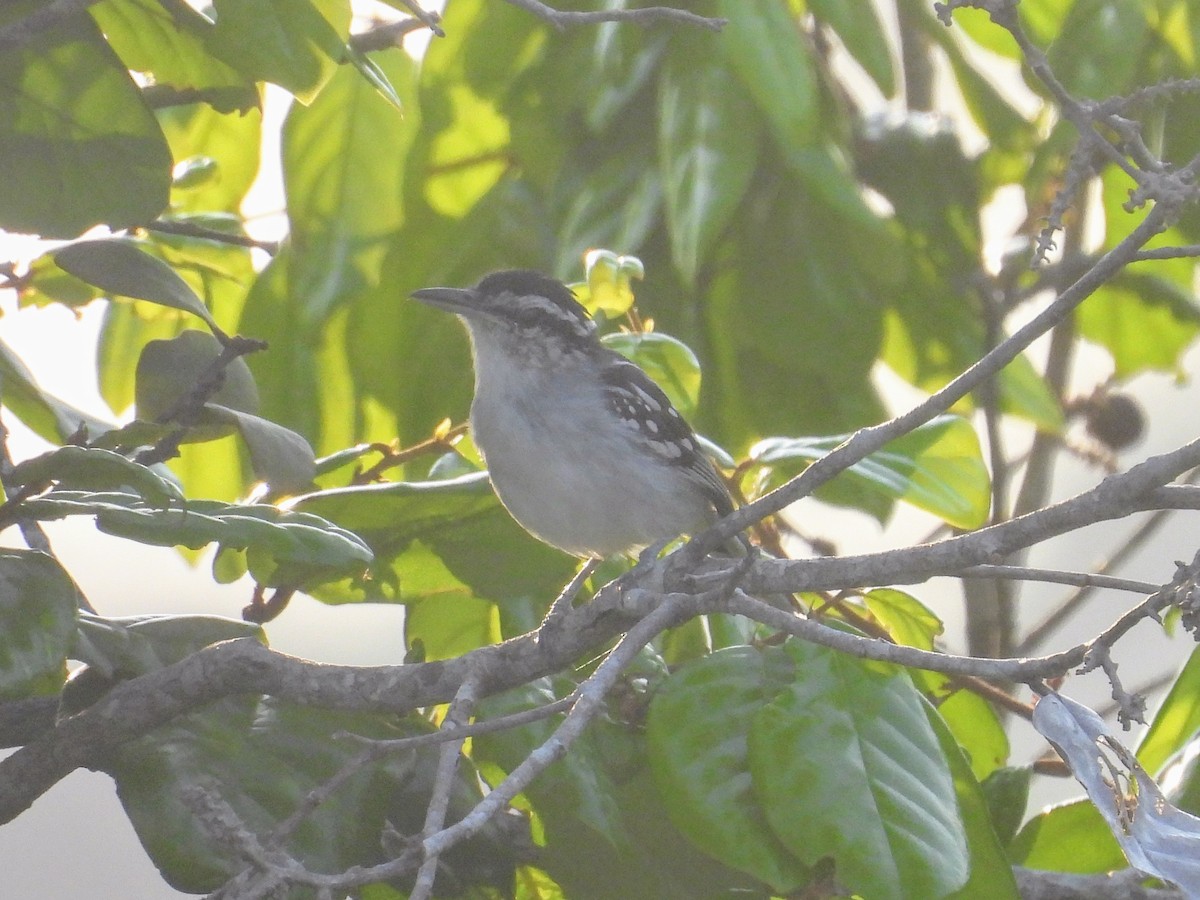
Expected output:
(455, 300)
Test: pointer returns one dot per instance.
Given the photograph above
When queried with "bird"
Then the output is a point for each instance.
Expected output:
(584, 449)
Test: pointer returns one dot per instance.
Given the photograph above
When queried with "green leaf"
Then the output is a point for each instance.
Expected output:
(78, 147)
(886, 811)
(918, 163)
(612, 203)
(169, 371)
(344, 158)
(38, 603)
(991, 874)
(438, 539)
(217, 271)
(937, 467)
(51, 418)
(979, 27)
(578, 785)
(278, 455)
(1098, 50)
(375, 76)
(469, 157)
(1145, 321)
(94, 469)
(605, 831)
(125, 330)
(230, 141)
(708, 147)
(1072, 837)
(1177, 719)
(404, 509)
(167, 41)
(305, 548)
(132, 436)
(763, 47)
(448, 626)
(697, 730)
(789, 307)
(931, 337)
(864, 36)
(119, 267)
(1007, 129)
(265, 758)
(619, 63)
(978, 730)
(906, 618)
(1178, 777)
(670, 362)
(46, 283)
(296, 44)
(1007, 794)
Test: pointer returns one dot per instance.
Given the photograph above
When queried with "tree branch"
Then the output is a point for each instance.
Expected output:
(136, 706)
(1123, 885)
(1115, 497)
(439, 802)
(391, 34)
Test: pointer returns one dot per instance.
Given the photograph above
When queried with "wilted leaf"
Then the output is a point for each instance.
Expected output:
(1157, 837)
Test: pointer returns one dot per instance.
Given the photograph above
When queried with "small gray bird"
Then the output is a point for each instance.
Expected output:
(583, 448)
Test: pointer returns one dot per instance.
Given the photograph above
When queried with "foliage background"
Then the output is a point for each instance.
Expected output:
(736, 330)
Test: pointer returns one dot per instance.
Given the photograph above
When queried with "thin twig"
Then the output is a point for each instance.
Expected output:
(1156, 253)
(649, 15)
(447, 770)
(375, 748)
(1144, 689)
(441, 442)
(187, 408)
(489, 726)
(1056, 576)
(191, 229)
(430, 20)
(588, 705)
(388, 35)
(1143, 533)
